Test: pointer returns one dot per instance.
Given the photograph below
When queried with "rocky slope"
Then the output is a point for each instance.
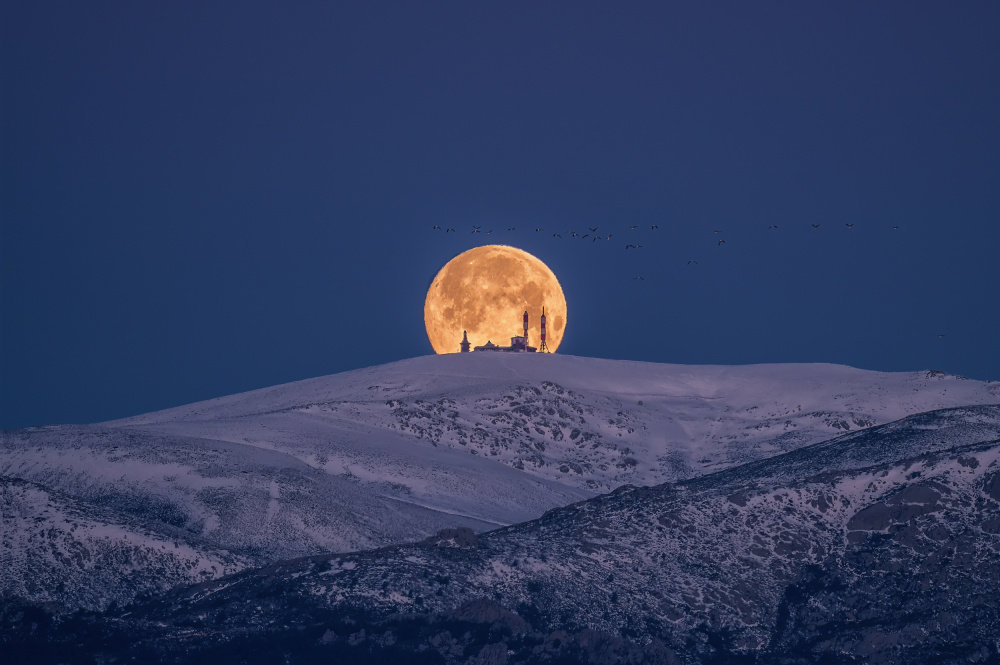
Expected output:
(64, 554)
(881, 546)
(394, 453)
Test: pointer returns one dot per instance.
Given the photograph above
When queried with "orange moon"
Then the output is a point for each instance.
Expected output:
(485, 292)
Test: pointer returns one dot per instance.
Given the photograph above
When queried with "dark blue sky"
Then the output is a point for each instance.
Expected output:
(198, 199)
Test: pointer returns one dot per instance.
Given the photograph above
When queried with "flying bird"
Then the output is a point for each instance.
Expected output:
(574, 234)
(815, 226)
(446, 230)
(593, 229)
(773, 226)
(716, 231)
(940, 335)
(850, 226)
(634, 227)
(654, 227)
(585, 235)
(436, 226)
(512, 228)
(609, 237)
(556, 235)
(489, 232)
(720, 242)
(636, 246)
(691, 261)
(537, 229)
(895, 228)
(638, 277)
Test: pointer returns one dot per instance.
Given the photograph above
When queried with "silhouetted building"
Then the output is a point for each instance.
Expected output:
(518, 344)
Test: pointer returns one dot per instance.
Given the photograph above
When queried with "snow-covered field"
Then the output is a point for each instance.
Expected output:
(394, 453)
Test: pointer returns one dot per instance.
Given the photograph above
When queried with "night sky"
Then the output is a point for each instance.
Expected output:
(203, 198)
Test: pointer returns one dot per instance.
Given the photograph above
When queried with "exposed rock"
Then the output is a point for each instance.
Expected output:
(483, 610)
(458, 537)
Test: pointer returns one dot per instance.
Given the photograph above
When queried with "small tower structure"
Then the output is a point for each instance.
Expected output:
(465, 342)
(525, 349)
(543, 348)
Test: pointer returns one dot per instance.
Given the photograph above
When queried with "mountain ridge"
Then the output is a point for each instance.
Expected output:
(881, 545)
(396, 453)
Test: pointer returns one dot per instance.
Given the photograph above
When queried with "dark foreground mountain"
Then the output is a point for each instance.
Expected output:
(881, 546)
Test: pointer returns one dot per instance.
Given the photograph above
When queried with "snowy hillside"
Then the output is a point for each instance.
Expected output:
(582, 422)
(881, 546)
(67, 554)
(394, 453)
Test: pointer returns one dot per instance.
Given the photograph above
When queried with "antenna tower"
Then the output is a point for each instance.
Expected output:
(543, 347)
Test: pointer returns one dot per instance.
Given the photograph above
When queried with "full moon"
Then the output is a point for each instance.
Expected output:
(485, 292)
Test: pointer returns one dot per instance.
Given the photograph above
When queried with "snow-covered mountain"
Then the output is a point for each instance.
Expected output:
(394, 453)
(65, 553)
(581, 422)
(879, 546)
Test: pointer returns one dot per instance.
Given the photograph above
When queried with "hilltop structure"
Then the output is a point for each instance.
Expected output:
(518, 344)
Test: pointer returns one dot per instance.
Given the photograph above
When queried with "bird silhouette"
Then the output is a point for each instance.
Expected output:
(593, 229)
(691, 261)
(654, 227)
(638, 277)
(815, 226)
(609, 237)
(721, 242)
(446, 230)
(489, 232)
(773, 226)
(585, 235)
(634, 226)
(895, 228)
(635, 246)
(574, 233)
(538, 229)
(436, 226)
(716, 231)
(940, 335)
(850, 226)
(556, 235)
(512, 228)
